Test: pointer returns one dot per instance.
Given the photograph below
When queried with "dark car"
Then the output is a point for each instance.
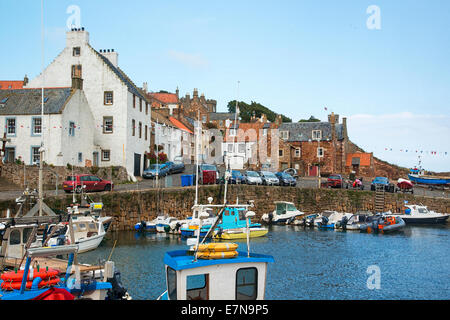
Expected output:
(269, 178)
(236, 177)
(335, 181)
(87, 182)
(153, 169)
(286, 179)
(382, 182)
(176, 166)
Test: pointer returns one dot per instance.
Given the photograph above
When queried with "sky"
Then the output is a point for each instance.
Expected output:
(387, 71)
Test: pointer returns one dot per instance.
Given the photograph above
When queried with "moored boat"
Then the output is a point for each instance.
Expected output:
(419, 214)
(284, 213)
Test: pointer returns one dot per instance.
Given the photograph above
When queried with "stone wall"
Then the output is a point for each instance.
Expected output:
(130, 207)
(15, 173)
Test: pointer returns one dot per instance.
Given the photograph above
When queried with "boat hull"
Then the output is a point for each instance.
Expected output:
(90, 243)
(424, 220)
(429, 180)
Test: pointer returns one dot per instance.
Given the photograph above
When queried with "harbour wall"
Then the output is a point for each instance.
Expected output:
(130, 207)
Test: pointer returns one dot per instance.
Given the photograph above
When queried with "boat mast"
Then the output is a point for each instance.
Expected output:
(196, 156)
(41, 149)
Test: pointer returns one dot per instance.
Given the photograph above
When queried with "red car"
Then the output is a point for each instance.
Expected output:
(92, 183)
(335, 181)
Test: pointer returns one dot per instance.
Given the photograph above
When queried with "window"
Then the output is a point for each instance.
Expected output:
(36, 126)
(197, 287)
(76, 71)
(146, 131)
(204, 119)
(241, 148)
(284, 135)
(11, 126)
(246, 284)
(26, 233)
(107, 124)
(298, 152)
(230, 147)
(76, 51)
(14, 237)
(72, 129)
(280, 152)
(146, 108)
(35, 155)
(264, 131)
(316, 134)
(140, 104)
(106, 155)
(108, 98)
(232, 132)
(320, 152)
(133, 127)
(80, 157)
(134, 101)
(171, 284)
(140, 130)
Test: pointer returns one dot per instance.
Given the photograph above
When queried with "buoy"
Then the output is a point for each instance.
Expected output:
(217, 255)
(33, 274)
(217, 247)
(15, 285)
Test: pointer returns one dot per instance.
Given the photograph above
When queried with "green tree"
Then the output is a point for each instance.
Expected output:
(311, 119)
(246, 111)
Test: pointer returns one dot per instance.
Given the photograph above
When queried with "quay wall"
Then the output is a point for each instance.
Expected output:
(130, 207)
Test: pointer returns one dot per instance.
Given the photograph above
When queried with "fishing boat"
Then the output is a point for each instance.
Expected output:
(215, 271)
(284, 213)
(88, 232)
(383, 224)
(191, 227)
(418, 176)
(234, 224)
(419, 214)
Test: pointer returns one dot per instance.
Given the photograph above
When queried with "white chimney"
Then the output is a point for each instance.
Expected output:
(76, 38)
(111, 55)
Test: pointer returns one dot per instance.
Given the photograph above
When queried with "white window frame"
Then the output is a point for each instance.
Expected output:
(298, 152)
(284, 135)
(109, 155)
(320, 152)
(232, 132)
(316, 134)
(34, 126)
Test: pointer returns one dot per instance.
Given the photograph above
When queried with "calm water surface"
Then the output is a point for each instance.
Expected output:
(309, 264)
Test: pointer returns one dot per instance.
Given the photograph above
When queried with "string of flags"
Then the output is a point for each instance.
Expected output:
(417, 151)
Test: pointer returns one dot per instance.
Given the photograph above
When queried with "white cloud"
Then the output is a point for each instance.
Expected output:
(190, 60)
(404, 131)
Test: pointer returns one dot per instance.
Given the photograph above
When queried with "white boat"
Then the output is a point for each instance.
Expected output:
(284, 213)
(419, 214)
(88, 233)
(163, 226)
(357, 220)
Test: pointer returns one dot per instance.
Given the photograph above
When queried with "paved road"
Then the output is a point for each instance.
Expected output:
(175, 181)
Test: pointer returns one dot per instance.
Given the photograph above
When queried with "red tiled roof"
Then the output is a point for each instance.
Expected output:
(5, 84)
(179, 125)
(165, 97)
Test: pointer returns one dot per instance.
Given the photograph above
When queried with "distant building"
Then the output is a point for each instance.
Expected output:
(121, 110)
(67, 126)
(13, 84)
(198, 105)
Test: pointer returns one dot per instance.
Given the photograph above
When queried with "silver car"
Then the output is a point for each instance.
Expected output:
(269, 178)
(252, 177)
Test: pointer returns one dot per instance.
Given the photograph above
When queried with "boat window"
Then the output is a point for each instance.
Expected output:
(92, 227)
(82, 226)
(26, 234)
(247, 284)
(281, 208)
(291, 207)
(14, 237)
(242, 215)
(422, 210)
(171, 283)
(197, 287)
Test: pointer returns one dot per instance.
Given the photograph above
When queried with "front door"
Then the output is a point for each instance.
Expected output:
(95, 159)
(313, 171)
(137, 165)
(10, 155)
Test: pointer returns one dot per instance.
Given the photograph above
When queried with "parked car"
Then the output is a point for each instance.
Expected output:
(177, 166)
(269, 178)
(286, 179)
(161, 169)
(336, 181)
(206, 175)
(292, 172)
(88, 182)
(384, 182)
(252, 177)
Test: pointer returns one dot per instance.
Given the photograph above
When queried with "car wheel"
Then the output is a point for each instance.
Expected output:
(108, 187)
(78, 189)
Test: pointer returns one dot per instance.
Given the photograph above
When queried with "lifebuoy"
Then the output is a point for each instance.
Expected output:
(35, 273)
(11, 285)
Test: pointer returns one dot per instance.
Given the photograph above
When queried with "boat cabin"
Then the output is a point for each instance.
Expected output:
(15, 238)
(85, 227)
(234, 217)
(283, 207)
(239, 278)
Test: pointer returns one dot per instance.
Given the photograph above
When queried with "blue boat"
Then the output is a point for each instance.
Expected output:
(417, 176)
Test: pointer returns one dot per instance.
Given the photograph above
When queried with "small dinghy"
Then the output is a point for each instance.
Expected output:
(383, 224)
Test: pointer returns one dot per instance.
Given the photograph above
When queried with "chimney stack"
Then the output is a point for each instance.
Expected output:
(111, 55)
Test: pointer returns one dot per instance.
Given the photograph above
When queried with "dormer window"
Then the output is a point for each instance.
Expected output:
(284, 135)
(76, 51)
(317, 134)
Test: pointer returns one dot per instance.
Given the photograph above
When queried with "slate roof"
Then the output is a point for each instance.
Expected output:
(221, 116)
(302, 131)
(28, 101)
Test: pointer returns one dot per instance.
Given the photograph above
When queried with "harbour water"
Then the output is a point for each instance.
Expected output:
(309, 264)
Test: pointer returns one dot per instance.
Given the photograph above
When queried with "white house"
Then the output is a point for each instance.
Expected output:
(121, 111)
(67, 126)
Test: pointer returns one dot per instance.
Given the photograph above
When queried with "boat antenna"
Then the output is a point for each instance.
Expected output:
(196, 156)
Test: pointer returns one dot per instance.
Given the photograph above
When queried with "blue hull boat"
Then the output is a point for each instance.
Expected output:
(429, 180)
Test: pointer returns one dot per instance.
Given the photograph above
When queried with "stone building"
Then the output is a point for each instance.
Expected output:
(314, 147)
(67, 126)
(121, 111)
(198, 105)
